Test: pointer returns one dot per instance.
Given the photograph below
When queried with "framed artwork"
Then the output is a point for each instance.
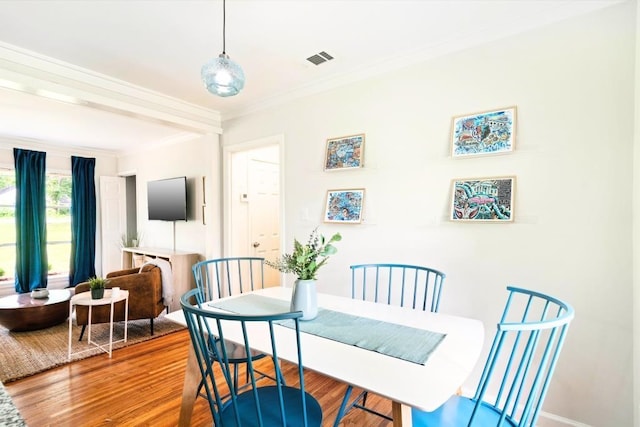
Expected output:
(346, 152)
(483, 199)
(487, 132)
(344, 206)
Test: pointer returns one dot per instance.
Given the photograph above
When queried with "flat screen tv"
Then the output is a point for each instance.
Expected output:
(167, 199)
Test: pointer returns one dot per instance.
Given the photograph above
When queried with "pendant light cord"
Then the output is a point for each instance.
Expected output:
(224, 27)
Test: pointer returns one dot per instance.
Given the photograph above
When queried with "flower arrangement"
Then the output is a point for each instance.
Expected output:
(307, 259)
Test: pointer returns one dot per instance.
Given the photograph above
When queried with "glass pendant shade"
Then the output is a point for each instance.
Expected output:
(222, 76)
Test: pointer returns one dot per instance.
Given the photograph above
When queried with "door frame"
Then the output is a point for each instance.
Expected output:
(227, 152)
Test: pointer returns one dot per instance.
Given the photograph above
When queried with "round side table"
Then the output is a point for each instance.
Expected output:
(110, 298)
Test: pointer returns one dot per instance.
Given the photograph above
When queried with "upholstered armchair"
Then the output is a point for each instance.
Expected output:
(145, 297)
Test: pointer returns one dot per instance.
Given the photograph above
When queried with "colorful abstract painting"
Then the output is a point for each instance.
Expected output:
(488, 132)
(344, 153)
(344, 206)
(483, 199)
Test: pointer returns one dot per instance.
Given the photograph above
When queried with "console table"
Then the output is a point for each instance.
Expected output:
(181, 263)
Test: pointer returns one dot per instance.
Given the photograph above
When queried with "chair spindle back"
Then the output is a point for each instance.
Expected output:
(398, 284)
(222, 277)
(523, 356)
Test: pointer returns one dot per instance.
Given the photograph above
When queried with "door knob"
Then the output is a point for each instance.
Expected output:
(256, 244)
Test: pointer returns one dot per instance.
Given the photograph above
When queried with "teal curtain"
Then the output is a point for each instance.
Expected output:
(31, 223)
(83, 220)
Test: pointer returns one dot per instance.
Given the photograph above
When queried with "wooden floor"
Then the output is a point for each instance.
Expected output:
(142, 386)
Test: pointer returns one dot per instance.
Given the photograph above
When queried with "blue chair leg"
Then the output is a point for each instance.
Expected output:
(342, 411)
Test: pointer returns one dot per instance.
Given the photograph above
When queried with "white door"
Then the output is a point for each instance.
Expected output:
(264, 214)
(113, 221)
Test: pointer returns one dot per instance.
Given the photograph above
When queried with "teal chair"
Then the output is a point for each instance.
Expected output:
(260, 405)
(518, 370)
(402, 285)
(223, 277)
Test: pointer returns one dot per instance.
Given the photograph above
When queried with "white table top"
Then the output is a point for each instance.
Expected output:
(84, 298)
(424, 387)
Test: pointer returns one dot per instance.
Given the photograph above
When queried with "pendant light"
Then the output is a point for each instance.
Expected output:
(222, 76)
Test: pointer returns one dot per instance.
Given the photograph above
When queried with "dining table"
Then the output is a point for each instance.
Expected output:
(416, 376)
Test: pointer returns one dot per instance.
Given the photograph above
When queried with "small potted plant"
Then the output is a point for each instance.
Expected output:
(305, 261)
(97, 285)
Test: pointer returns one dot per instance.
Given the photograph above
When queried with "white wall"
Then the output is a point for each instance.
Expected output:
(573, 85)
(59, 160)
(194, 159)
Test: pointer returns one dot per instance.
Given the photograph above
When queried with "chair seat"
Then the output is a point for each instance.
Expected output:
(456, 412)
(270, 409)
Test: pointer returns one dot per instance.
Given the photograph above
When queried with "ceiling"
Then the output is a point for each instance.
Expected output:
(151, 52)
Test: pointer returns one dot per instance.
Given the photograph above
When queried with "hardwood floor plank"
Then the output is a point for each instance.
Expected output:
(142, 386)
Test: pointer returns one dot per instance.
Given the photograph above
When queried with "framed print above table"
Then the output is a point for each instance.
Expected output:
(346, 152)
(483, 199)
(344, 206)
(486, 132)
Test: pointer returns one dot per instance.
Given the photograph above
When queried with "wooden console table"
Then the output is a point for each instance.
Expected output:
(181, 263)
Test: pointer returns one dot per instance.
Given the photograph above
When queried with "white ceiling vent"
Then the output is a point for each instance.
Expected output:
(319, 58)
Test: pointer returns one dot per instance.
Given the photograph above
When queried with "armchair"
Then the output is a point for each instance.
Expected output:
(145, 297)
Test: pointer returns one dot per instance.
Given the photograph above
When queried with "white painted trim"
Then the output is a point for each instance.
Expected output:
(54, 282)
(8, 143)
(37, 74)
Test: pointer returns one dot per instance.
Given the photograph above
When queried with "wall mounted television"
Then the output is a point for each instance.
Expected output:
(167, 199)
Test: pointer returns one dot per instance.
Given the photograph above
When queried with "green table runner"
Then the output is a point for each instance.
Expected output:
(403, 342)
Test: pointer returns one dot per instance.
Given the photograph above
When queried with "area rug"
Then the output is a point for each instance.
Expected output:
(26, 353)
(9, 415)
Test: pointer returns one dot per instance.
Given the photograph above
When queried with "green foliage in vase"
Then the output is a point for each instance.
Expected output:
(306, 260)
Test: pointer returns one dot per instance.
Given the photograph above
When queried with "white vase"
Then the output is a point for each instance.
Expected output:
(304, 298)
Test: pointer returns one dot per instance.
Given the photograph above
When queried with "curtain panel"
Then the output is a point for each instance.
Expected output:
(31, 224)
(83, 220)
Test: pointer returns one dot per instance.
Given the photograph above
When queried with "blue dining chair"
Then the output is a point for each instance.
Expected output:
(518, 369)
(403, 285)
(223, 277)
(260, 405)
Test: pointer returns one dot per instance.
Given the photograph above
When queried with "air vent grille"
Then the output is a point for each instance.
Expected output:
(320, 58)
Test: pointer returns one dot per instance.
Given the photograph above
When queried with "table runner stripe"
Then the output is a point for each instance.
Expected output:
(399, 341)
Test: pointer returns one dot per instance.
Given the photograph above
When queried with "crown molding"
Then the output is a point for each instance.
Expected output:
(30, 72)
(11, 142)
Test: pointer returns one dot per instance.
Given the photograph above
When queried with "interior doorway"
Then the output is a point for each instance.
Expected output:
(253, 201)
(118, 219)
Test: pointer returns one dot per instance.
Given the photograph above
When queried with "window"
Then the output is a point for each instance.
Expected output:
(58, 202)
(58, 222)
(7, 224)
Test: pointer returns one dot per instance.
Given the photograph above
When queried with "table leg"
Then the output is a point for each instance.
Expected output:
(189, 389)
(401, 414)
(126, 316)
(89, 322)
(111, 330)
(70, 328)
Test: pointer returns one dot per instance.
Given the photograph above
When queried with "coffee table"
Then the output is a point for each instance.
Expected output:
(21, 312)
